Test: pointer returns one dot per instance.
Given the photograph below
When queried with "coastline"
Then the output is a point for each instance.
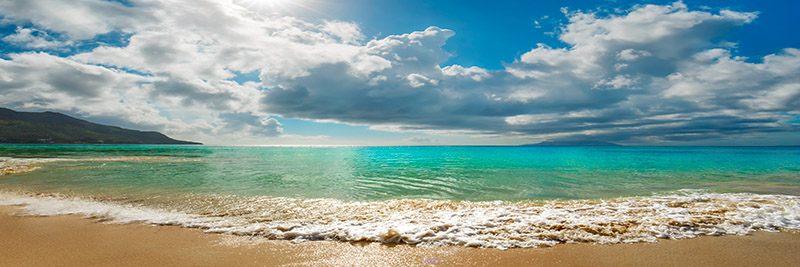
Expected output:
(72, 240)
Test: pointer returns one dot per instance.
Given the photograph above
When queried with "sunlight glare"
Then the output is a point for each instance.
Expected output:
(272, 6)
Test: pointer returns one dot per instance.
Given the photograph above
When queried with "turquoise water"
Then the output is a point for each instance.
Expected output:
(495, 197)
(446, 173)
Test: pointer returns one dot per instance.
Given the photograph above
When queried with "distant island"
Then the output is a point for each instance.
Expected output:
(56, 128)
(573, 143)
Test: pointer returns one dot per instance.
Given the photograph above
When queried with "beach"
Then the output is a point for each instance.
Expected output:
(399, 133)
(70, 240)
(400, 206)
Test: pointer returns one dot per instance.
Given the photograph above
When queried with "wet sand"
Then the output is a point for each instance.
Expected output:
(74, 241)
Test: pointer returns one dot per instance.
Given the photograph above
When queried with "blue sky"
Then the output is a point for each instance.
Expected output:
(411, 72)
(489, 33)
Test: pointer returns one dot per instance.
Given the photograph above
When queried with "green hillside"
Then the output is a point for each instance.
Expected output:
(52, 127)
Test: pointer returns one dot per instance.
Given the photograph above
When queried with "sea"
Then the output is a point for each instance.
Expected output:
(479, 196)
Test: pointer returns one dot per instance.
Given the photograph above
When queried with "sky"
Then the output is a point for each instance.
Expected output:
(391, 72)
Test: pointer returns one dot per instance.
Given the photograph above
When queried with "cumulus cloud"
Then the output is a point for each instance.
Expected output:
(80, 19)
(53, 80)
(35, 39)
(474, 73)
(649, 74)
(243, 122)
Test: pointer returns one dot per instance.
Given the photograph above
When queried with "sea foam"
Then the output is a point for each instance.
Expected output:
(497, 224)
(20, 165)
(10, 165)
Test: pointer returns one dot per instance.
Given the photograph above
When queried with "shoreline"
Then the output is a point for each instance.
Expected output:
(73, 240)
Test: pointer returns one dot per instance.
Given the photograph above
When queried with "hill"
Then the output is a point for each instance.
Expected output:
(573, 143)
(53, 127)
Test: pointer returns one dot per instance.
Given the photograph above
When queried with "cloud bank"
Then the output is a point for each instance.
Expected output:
(649, 74)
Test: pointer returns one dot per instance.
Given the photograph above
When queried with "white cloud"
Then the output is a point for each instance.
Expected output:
(418, 80)
(631, 54)
(80, 19)
(271, 126)
(348, 33)
(475, 73)
(42, 81)
(618, 82)
(530, 119)
(632, 76)
(35, 39)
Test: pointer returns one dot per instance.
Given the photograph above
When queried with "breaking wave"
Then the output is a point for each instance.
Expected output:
(496, 224)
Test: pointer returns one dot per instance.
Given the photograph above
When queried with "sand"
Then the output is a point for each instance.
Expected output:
(75, 241)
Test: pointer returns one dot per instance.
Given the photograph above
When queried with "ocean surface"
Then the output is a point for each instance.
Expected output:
(494, 197)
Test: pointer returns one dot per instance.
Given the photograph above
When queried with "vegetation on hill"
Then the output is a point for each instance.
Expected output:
(53, 127)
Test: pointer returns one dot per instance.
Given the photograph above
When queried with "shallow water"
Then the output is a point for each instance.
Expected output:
(476, 196)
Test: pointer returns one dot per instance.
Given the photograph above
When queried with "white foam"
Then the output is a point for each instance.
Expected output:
(20, 165)
(53, 205)
(436, 223)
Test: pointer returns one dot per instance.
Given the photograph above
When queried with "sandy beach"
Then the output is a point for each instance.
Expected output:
(76, 241)
(399, 133)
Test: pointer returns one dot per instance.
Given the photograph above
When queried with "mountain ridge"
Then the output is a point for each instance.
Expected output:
(57, 128)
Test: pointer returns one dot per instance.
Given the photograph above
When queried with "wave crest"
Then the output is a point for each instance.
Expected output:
(495, 224)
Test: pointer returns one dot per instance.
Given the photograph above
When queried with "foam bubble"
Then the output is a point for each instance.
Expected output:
(21, 165)
(496, 224)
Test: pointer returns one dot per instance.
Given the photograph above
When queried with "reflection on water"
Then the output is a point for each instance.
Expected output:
(380, 173)
(473, 196)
